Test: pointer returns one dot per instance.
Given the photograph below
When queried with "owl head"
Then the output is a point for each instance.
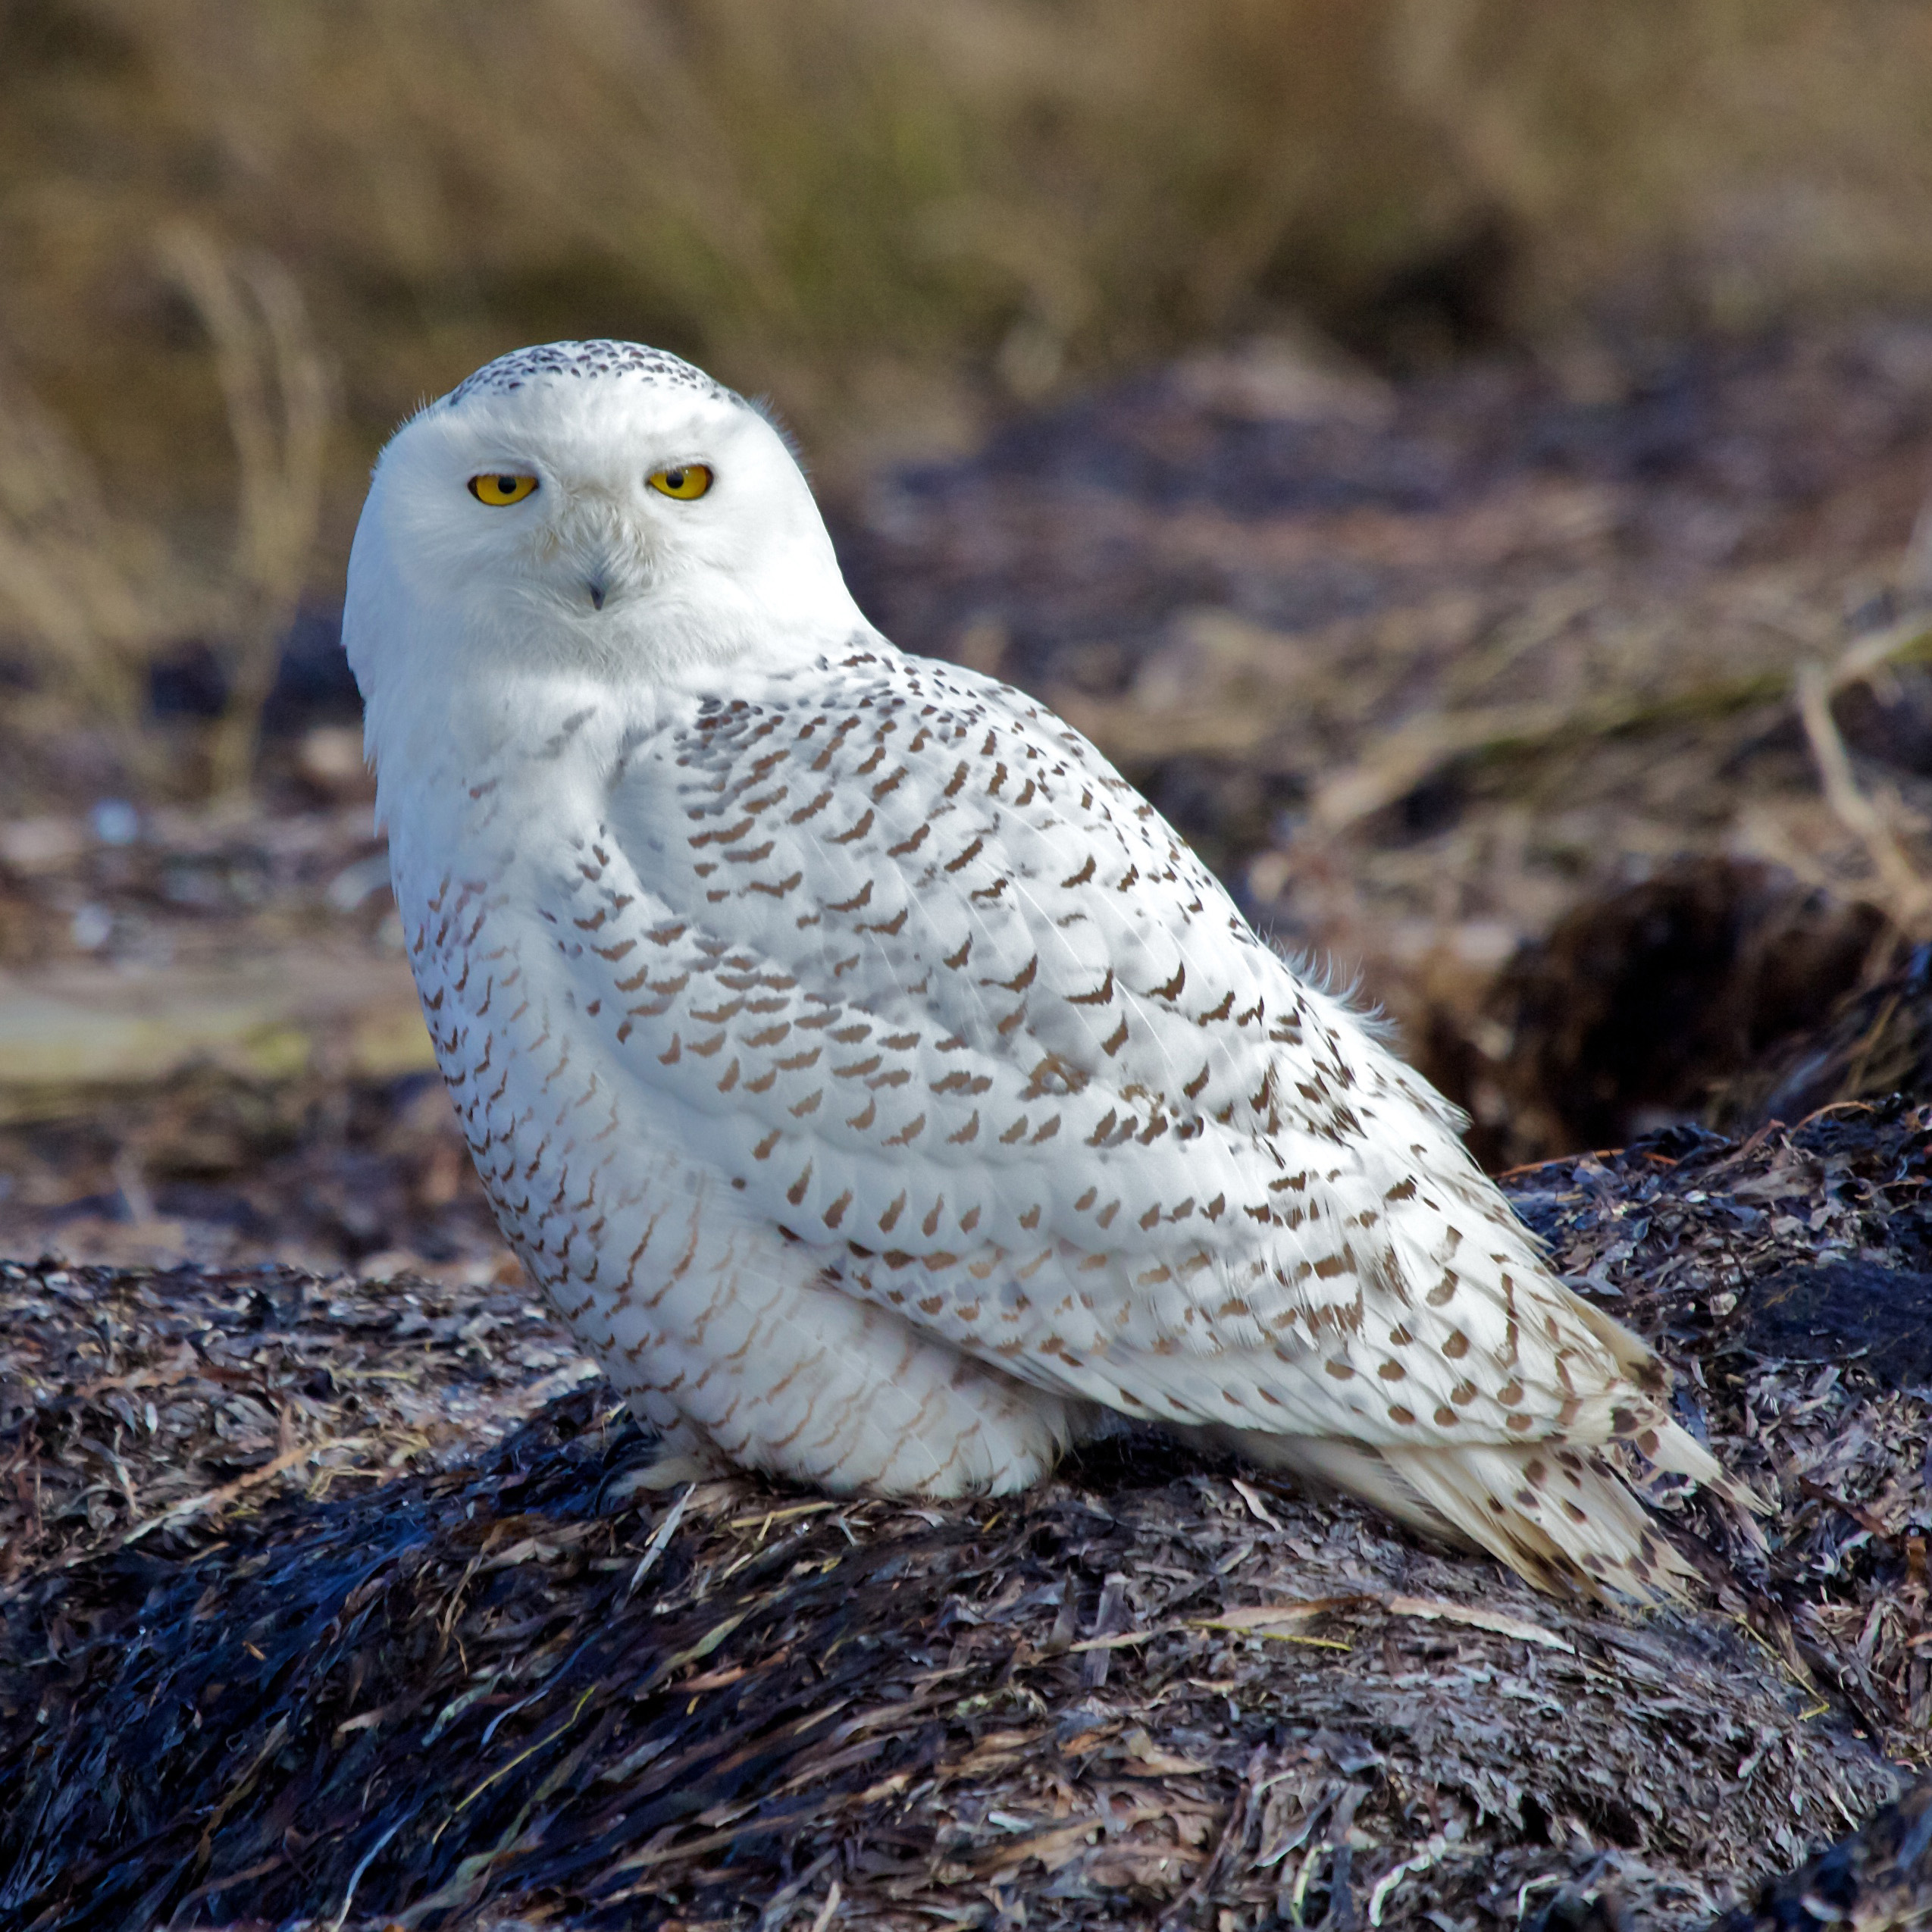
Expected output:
(594, 508)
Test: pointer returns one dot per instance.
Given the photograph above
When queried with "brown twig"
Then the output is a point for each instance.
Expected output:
(1396, 763)
(1904, 891)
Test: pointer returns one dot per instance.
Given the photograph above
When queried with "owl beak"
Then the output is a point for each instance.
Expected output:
(602, 570)
(604, 558)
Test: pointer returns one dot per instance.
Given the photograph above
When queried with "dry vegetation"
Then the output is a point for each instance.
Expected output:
(94, 592)
(872, 208)
(897, 218)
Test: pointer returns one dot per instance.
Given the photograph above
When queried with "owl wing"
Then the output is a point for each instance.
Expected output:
(899, 953)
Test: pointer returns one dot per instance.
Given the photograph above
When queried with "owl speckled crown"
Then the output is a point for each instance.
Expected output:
(550, 360)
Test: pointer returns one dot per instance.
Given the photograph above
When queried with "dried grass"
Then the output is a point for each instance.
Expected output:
(862, 204)
(91, 589)
(278, 402)
(884, 212)
(1399, 761)
(100, 591)
(1897, 883)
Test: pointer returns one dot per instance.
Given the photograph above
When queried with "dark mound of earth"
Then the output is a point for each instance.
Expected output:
(364, 1604)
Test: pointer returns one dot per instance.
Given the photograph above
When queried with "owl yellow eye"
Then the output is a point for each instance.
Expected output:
(501, 488)
(682, 481)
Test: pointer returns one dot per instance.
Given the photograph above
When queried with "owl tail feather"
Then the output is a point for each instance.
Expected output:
(1560, 1516)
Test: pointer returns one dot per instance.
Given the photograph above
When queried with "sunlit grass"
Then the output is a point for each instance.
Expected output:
(892, 215)
(798, 191)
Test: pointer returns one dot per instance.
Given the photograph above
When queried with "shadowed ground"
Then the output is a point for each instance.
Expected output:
(301, 1607)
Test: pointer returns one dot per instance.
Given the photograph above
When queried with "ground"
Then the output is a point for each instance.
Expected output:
(325, 1594)
(337, 1585)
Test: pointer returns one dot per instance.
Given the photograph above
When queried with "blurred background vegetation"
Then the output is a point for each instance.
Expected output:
(1479, 512)
(242, 240)
(896, 218)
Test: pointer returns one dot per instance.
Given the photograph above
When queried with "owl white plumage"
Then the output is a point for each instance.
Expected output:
(878, 1086)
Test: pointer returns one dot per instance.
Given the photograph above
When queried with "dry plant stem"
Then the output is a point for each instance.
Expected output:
(1400, 760)
(278, 405)
(1906, 892)
(1396, 763)
(1908, 641)
(95, 589)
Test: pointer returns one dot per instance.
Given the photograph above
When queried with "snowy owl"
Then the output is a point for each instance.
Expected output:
(877, 1084)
